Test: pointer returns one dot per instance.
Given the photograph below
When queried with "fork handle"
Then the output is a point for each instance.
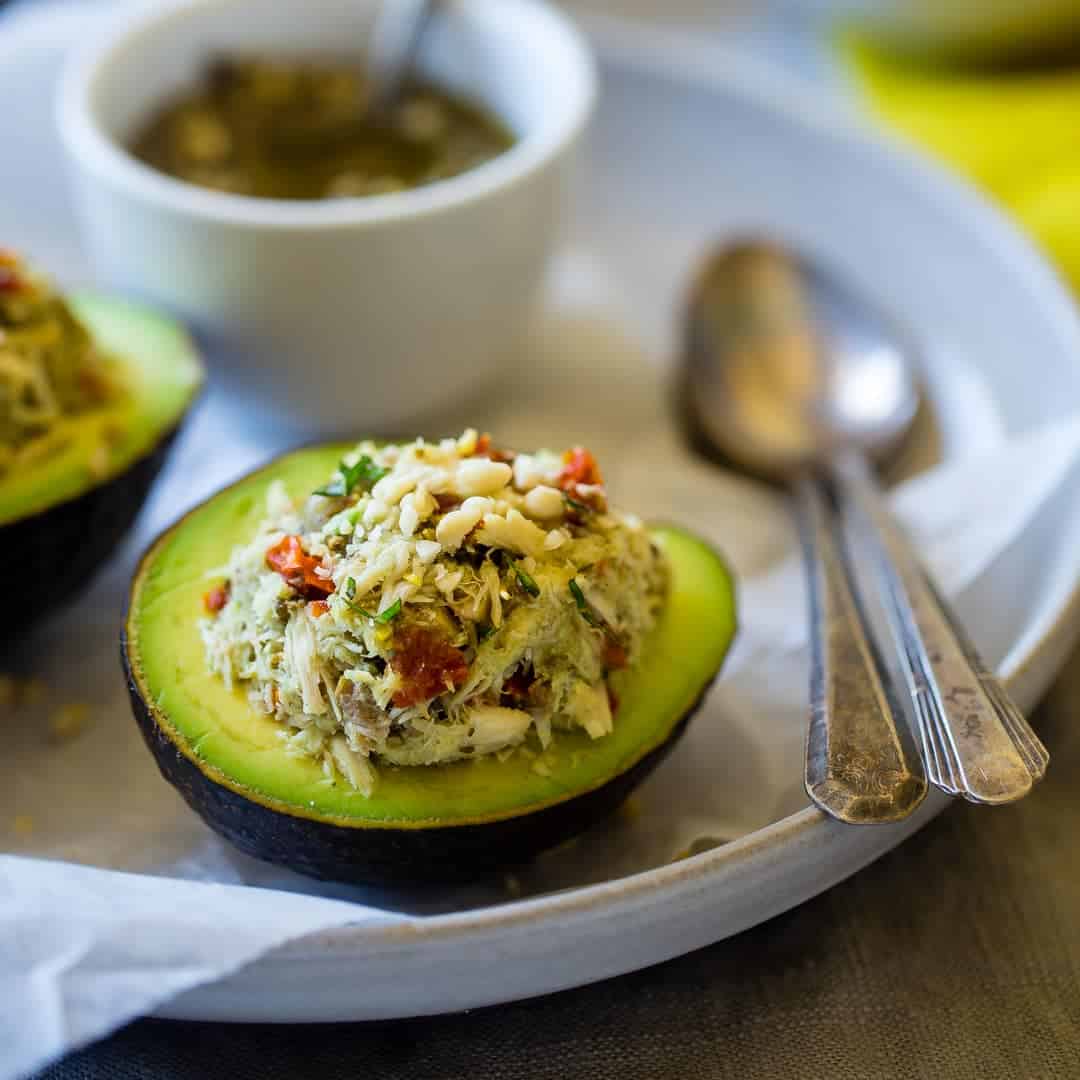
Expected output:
(976, 742)
(861, 766)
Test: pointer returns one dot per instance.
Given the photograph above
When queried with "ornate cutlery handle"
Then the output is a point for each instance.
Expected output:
(975, 741)
(861, 766)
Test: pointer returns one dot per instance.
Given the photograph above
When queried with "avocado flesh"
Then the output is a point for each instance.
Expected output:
(422, 822)
(161, 371)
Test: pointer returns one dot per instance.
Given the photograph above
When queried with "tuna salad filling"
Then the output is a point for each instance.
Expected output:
(50, 371)
(434, 602)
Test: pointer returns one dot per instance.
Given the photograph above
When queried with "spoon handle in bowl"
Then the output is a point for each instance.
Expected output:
(395, 41)
(861, 766)
(976, 742)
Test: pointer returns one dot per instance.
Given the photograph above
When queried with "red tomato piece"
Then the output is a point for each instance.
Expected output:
(519, 685)
(485, 448)
(217, 597)
(427, 665)
(290, 560)
(579, 467)
(11, 278)
(615, 657)
(613, 699)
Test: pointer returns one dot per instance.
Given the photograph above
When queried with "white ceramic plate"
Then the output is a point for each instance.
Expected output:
(685, 147)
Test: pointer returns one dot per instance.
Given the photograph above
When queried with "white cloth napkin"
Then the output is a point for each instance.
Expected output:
(159, 905)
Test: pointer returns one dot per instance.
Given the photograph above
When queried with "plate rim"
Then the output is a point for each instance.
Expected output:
(718, 67)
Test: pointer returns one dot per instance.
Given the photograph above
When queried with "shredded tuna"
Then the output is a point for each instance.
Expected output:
(51, 372)
(434, 602)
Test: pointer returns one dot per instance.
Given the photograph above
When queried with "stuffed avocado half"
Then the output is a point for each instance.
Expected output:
(92, 391)
(404, 663)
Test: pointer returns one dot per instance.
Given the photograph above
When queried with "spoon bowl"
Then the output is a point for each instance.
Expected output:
(809, 368)
(391, 55)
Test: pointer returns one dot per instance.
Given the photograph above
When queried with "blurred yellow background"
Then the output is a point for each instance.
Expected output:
(1011, 129)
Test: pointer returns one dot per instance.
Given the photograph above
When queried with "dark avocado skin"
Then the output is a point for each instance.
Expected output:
(387, 856)
(52, 556)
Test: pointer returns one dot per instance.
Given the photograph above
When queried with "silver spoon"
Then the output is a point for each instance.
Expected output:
(393, 47)
(789, 375)
(751, 378)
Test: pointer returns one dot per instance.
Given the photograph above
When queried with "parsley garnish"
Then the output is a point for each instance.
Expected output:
(383, 617)
(583, 605)
(526, 582)
(592, 616)
(580, 507)
(390, 614)
(364, 474)
(484, 633)
(348, 591)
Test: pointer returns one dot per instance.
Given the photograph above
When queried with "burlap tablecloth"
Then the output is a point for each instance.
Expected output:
(956, 956)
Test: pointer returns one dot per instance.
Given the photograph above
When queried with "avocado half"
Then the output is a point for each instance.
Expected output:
(422, 823)
(60, 520)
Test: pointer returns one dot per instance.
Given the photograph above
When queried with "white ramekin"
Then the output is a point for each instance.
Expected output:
(349, 315)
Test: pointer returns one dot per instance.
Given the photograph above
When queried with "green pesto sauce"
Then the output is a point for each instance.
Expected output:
(289, 129)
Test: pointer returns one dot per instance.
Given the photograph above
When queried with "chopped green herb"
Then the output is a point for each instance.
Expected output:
(584, 606)
(591, 615)
(484, 633)
(524, 580)
(334, 490)
(350, 588)
(390, 614)
(365, 474)
(383, 617)
(580, 507)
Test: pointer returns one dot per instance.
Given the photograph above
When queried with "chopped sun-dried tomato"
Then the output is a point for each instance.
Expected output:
(11, 278)
(519, 684)
(426, 664)
(318, 608)
(615, 656)
(579, 467)
(290, 560)
(613, 699)
(92, 384)
(485, 448)
(217, 597)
